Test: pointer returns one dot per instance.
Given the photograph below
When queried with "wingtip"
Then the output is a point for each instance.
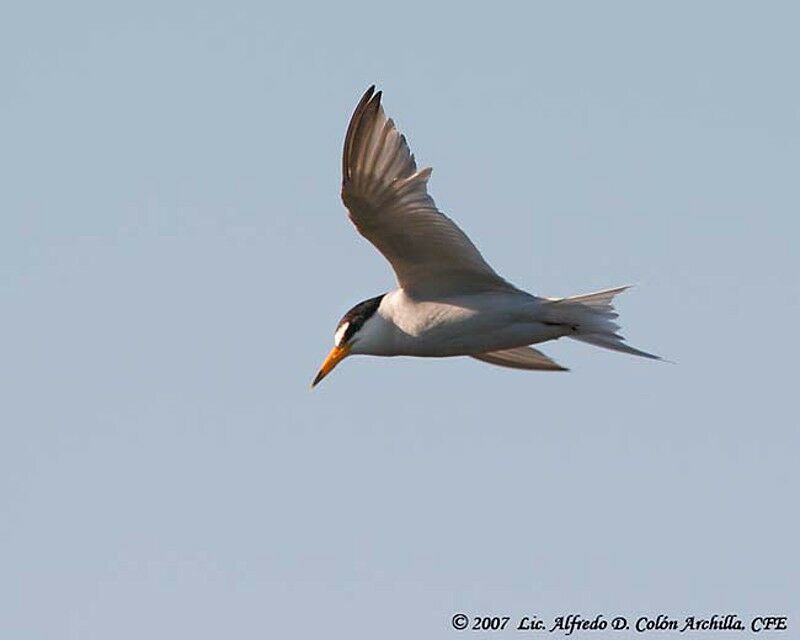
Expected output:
(370, 94)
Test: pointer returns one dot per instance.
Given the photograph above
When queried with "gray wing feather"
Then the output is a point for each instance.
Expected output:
(520, 358)
(389, 205)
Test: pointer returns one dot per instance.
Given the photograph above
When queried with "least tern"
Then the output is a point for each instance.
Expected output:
(449, 301)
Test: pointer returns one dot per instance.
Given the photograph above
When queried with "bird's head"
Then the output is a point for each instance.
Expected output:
(348, 334)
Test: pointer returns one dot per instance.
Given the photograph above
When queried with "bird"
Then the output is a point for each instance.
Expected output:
(448, 301)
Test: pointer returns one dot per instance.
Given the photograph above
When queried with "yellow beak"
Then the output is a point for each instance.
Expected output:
(336, 355)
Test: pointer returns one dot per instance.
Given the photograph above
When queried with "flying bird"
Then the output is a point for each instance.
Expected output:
(449, 301)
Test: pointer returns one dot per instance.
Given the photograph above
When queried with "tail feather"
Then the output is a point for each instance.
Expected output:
(615, 342)
(590, 318)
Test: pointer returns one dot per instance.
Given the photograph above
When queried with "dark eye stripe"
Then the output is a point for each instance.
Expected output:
(358, 315)
(351, 329)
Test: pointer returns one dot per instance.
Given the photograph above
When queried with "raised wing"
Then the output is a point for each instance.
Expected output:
(520, 358)
(390, 206)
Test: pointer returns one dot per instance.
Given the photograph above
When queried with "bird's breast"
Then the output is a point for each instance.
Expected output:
(464, 325)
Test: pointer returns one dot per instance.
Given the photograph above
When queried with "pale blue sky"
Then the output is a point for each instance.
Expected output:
(174, 259)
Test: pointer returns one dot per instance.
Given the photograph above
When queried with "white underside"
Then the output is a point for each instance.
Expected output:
(455, 326)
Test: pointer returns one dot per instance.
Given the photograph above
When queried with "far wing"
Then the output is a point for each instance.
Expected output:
(389, 204)
(520, 358)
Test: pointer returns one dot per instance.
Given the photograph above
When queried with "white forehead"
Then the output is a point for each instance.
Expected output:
(339, 335)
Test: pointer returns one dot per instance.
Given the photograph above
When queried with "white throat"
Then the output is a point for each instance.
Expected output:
(376, 337)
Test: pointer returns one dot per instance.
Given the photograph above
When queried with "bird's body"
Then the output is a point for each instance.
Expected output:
(449, 301)
(455, 325)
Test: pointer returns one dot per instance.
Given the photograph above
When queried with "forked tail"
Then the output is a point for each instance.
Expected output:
(590, 318)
